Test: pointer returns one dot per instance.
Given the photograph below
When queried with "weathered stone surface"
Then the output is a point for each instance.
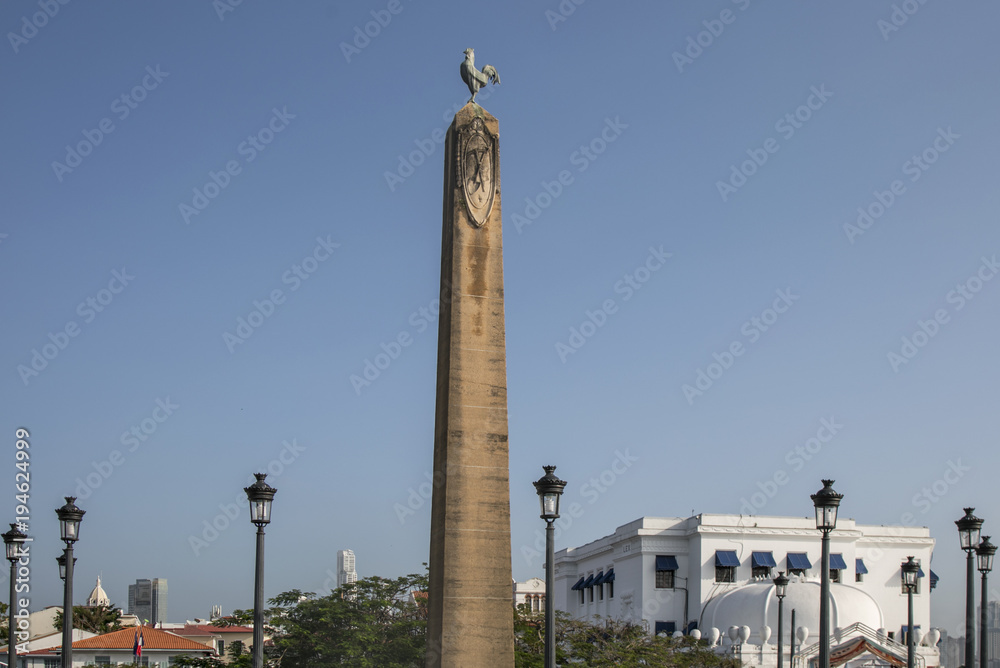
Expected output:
(470, 623)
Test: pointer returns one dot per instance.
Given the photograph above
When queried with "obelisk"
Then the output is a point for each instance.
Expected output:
(471, 617)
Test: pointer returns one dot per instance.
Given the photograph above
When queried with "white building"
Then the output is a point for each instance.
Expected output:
(346, 572)
(714, 573)
(531, 592)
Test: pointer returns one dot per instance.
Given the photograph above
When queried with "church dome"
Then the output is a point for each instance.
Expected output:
(755, 605)
(98, 596)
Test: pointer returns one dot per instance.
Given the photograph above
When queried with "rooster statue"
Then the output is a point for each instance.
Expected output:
(475, 79)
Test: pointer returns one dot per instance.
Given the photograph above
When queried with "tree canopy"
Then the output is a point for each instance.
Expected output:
(96, 619)
(382, 623)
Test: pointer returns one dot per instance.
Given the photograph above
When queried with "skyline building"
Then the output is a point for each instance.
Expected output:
(346, 571)
(147, 600)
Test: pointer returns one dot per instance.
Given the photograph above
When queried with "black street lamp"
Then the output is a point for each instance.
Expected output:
(69, 530)
(61, 560)
(780, 586)
(827, 502)
(968, 534)
(984, 554)
(260, 495)
(911, 569)
(549, 489)
(13, 540)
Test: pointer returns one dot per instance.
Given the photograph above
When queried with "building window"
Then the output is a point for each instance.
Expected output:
(726, 563)
(762, 564)
(52, 663)
(666, 628)
(859, 577)
(859, 570)
(666, 567)
(611, 589)
(834, 575)
(600, 592)
(798, 563)
(220, 647)
(101, 660)
(590, 594)
(582, 601)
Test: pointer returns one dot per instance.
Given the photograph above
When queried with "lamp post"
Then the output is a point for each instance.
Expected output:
(69, 529)
(780, 586)
(968, 534)
(549, 489)
(827, 502)
(13, 540)
(984, 553)
(910, 570)
(260, 495)
(61, 559)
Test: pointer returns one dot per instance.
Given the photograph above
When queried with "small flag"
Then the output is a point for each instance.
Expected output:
(137, 644)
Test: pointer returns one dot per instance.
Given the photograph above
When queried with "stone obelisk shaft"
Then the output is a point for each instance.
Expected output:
(471, 619)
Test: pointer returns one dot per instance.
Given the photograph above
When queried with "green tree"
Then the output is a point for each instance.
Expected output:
(96, 619)
(239, 657)
(607, 642)
(371, 623)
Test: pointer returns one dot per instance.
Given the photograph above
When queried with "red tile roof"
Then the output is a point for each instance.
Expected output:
(208, 628)
(151, 639)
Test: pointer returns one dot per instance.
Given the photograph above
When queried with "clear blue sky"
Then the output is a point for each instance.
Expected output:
(743, 160)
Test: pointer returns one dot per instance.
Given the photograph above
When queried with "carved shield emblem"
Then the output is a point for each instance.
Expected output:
(478, 171)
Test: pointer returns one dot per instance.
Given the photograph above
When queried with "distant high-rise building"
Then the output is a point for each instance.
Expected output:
(346, 572)
(147, 600)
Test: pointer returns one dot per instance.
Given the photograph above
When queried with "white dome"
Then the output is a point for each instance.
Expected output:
(755, 605)
(98, 596)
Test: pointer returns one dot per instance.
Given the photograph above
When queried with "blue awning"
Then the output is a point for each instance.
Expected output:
(666, 563)
(934, 579)
(859, 567)
(599, 578)
(920, 572)
(610, 576)
(726, 558)
(589, 583)
(837, 562)
(763, 559)
(798, 561)
(578, 585)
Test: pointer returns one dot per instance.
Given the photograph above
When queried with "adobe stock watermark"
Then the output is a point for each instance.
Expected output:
(132, 438)
(899, 17)
(409, 162)
(88, 311)
(381, 18)
(228, 512)
(250, 148)
(926, 330)
(796, 459)
(590, 491)
(697, 44)
(223, 7)
(915, 168)
(37, 21)
(582, 158)
(419, 320)
(264, 308)
(952, 472)
(752, 329)
(627, 286)
(787, 126)
(562, 12)
(122, 106)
